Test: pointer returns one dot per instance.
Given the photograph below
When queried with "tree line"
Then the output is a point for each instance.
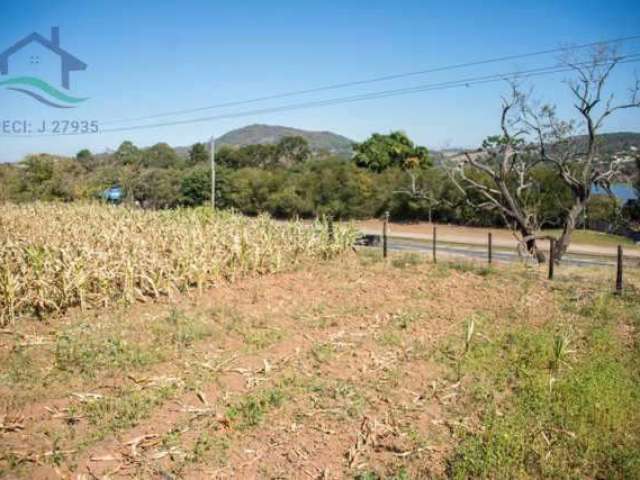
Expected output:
(387, 172)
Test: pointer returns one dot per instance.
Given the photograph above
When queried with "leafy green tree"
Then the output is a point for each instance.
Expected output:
(293, 150)
(251, 188)
(199, 153)
(380, 152)
(127, 154)
(195, 187)
(248, 156)
(85, 158)
(602, 210)
(45, 177)
(157, 188)
(160, 155)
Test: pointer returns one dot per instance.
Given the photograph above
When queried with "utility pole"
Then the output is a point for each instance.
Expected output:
(212, 148)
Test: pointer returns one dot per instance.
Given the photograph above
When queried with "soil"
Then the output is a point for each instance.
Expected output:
(326, 372)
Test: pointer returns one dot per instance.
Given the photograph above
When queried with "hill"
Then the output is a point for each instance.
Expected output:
(265, 134)
(619, 141)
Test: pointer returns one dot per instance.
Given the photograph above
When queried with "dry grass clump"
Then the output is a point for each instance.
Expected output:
(54, 256)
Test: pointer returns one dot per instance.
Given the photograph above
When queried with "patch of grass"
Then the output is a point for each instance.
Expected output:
(257, 335)
(250, 411)
(262, 337)
(370, 256)
(84, 351)
(180, 330)
(405, 319)
(405, 260)
(369, 475)
(209, 448)
(323, 352)
(125, 410)
(19, 368)
(591, 237)
(389, 338)
(349, 397)
(550, 415)
(482, 270)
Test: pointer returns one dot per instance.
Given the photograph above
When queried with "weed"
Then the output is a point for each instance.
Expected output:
(323, 352)
(20, 367)
(399, 475)
(180, 330)
(212, 449)
(115, 413)
(250, 411)
(84, 352)
(260, 338)
(587, 424)
(389, 338)
(469, 267)
(405, 319)
(369, 256)
(405, 260)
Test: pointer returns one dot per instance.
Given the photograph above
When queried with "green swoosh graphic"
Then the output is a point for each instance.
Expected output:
(43, 86)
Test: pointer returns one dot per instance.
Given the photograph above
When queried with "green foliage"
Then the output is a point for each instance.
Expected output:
(123, 410)
(195, 186)
(157, 188)
(127, 154)
(293, 150)
(81, 352)
(198, 153)
(160, 155)
(602, 209)
(85, 158)
(399, 475)
(286, 181)
(575, 421)
(250, 411)
(380, 152)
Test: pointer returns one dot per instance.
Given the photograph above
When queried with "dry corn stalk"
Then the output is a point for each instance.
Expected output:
(55, 256)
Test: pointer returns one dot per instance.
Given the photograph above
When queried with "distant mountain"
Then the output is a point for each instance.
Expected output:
(264, 134)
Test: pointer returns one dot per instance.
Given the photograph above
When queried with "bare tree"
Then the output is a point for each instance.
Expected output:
(500, 175)
(573, 147)
(429, 192)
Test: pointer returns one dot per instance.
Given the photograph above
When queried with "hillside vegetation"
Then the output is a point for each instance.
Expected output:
(327, 142)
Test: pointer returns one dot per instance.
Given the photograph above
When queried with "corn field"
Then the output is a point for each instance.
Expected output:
(56, 256)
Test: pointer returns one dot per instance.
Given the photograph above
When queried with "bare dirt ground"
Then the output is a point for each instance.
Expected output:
(328, 372)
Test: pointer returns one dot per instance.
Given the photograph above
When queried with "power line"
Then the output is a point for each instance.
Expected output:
(467, 82)
(373, 80)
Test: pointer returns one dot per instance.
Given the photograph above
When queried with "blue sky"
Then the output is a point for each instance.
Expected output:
(148, 57)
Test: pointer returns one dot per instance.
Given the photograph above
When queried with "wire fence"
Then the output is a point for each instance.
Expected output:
(617, 265)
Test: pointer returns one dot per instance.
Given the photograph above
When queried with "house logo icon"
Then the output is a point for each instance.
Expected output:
(24, 58)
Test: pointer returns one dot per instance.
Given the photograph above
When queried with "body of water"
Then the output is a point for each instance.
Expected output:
(623, 191)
